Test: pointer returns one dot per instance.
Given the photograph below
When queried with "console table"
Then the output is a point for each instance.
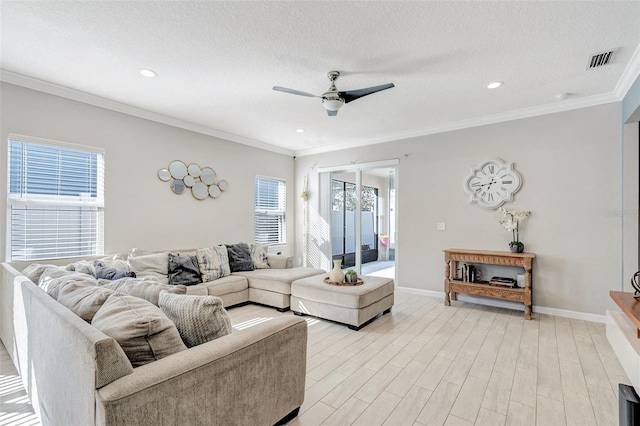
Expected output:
(483, 288)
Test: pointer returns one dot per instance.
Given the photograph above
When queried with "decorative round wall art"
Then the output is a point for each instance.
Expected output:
(200, 180)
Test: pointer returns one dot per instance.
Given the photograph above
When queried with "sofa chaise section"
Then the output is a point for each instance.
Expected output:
(272, 287)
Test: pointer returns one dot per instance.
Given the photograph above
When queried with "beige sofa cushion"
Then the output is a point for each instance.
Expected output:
(277, 280)
(154, 265)
(199, 319)
(116, 261)
(224, 285)
(147, 288)
(55, 279)
(143, 331)
(83, 300)
(213, 262)
(35, 271)
(84, 266)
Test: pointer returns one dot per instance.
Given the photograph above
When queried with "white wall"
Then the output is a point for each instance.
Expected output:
(141, 210)
(571, 166)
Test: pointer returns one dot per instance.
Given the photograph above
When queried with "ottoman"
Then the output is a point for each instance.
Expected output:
(354, 306)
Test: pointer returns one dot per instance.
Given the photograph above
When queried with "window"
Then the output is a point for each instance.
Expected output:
(270, 209)
(55, 200)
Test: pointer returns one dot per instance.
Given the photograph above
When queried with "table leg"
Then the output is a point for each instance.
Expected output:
(447, 273)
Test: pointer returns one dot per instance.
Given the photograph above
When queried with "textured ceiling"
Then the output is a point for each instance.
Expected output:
(218, 61)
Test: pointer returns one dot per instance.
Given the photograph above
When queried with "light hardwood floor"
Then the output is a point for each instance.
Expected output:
(427, 364)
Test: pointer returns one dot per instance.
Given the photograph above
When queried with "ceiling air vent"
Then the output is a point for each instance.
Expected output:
(600, 59)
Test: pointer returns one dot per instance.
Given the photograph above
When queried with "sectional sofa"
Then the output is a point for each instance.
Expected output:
(74, 373)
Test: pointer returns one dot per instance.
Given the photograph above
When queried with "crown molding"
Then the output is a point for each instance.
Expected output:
(561, 106)
(629, 76)
(87, 98)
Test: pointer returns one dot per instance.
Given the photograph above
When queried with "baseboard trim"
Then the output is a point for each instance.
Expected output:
(509, 305)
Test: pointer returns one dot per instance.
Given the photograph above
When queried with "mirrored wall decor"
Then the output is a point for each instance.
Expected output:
(177, 169)
(189, 181)
(208, 176)
(194, 170)
(164, 175)
(177, 186)
(201, 180)
(214, 191)
(200, 191)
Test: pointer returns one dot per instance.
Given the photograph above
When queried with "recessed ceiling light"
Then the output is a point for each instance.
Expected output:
(300, 130)
(562, 96)
(495, 84)
(148, 73)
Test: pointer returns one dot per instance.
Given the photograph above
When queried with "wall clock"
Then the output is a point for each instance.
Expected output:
(492, 183)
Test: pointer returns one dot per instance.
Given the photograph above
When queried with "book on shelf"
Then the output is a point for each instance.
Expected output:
(507, 282)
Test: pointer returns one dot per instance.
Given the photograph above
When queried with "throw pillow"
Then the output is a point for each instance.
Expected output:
(239, 257)
(35, 271)
(147, 288)
(83, 300)
(259, 255)
(103, 272)
(199, 319)
(54, 286)
(213, 262)
(142, 330)
(184, 270)
(154, 265)
(113, 263)
(83, 266)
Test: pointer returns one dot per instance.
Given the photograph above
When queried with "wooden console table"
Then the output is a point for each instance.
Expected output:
(483, 288)
(629, 305)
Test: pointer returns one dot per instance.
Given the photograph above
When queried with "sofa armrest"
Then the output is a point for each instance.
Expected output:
(280, 261)
(254, 376)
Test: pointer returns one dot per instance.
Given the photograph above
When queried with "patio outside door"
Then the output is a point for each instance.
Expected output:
(363, 220)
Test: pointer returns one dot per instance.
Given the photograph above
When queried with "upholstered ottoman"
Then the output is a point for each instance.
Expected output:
(354, 306)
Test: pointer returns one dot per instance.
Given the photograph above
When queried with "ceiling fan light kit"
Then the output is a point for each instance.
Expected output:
(332, 99)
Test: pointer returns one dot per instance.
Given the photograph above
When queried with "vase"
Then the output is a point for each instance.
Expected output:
(516, 247)
(336, 274)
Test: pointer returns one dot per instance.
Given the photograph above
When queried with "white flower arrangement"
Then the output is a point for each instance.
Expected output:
(512, 221)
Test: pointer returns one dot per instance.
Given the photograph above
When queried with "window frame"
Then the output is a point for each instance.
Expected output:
(281, 211)
(93, 204)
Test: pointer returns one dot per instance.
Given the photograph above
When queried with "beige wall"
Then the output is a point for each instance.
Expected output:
(571, 166)
(141, 210)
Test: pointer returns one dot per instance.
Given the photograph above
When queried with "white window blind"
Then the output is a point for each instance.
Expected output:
(270, 211)
(55, 200)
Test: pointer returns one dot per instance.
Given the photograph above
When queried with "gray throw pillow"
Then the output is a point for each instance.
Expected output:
(199, 319)
(107, 273)
(239, 257)
(184, 270)
(140, 328)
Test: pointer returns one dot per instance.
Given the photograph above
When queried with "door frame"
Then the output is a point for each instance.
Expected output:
(357, 169)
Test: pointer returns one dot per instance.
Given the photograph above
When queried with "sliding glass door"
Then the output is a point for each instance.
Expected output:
(362, 218)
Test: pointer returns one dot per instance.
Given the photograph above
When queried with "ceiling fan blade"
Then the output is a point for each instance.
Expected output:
(352, 95)
(294, 92)
(332, 113)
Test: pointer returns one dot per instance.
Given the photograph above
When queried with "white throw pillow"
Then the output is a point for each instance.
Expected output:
(213, 262)
(151, 265)
(259, 255)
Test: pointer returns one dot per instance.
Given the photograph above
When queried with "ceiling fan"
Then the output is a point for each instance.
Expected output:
(332, 99)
